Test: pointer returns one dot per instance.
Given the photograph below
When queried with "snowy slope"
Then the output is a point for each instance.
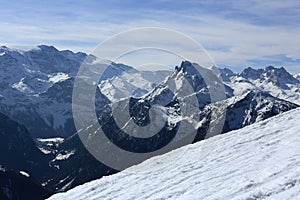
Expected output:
(260, 161)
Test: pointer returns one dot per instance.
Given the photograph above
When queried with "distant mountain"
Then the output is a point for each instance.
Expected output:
(251, 107)
(18, 185)
(28, 81)
(226, 74)
(133, 83)
(36, 87)
(276, 81)
(277, 76)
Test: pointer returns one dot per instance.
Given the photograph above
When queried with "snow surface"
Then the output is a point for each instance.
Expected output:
(64, 156)
(49, 145)
(56, 139)
(2, 169)
(44, 151)
(58, 77)
(131, 83)
(260, 161)
(24, 173)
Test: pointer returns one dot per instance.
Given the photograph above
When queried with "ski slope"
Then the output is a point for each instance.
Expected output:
(260, 161)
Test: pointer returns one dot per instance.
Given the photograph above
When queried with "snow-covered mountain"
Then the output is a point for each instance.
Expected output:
(251, 107)
(36, 87)
(276, 81)
(35, 70)
(36, 91)
(28, 81)
(260, 161)
(132, 83)
(239, 111)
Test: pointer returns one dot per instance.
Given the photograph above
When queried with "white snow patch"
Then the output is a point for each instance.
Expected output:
(44, 151)
(21, 86)
(68, 184)
(24, 174)
(58, 77)
(64, 156)
(56, 140)
(2, 169)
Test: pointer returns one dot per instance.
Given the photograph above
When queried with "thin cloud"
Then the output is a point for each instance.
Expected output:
(236, 33)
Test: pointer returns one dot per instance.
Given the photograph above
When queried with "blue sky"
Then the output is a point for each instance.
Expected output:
(237, 34)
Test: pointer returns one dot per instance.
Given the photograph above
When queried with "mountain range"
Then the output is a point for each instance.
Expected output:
(36, 106)
(276, 81)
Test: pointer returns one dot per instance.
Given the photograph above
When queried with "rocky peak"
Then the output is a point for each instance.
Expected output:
(251, 73)
(46, 48)
(226, 74)
(279, 76)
